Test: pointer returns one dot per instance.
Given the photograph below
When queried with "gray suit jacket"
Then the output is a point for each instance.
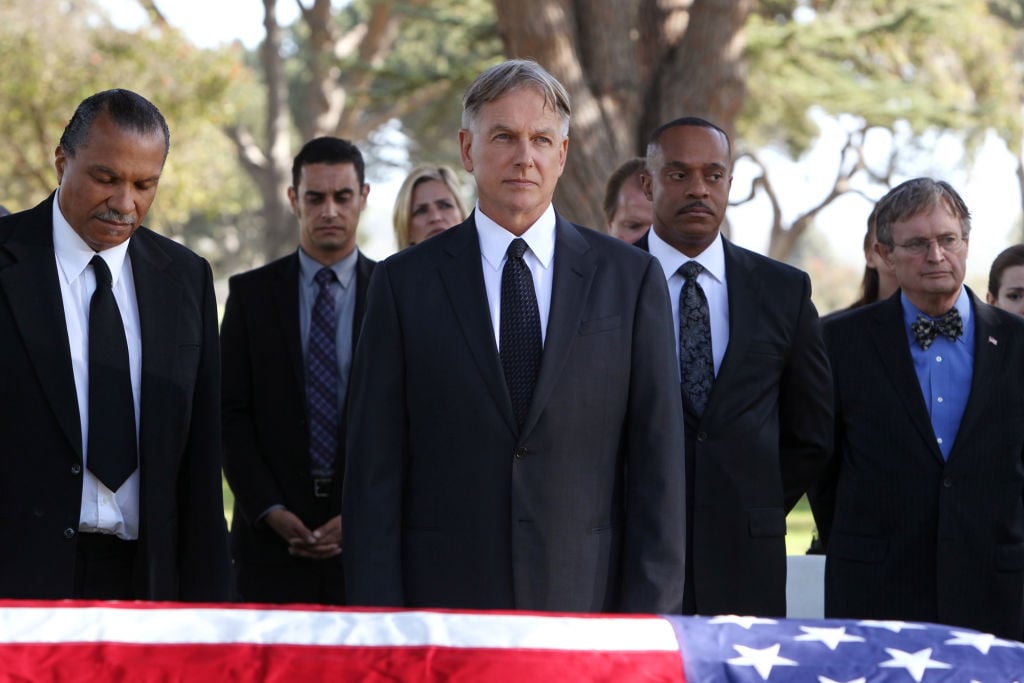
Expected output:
(447, 504)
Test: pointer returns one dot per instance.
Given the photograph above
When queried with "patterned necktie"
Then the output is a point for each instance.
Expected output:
(112, 450)
(696, 363)
(519, 336)
(927, 329)
(322, 380)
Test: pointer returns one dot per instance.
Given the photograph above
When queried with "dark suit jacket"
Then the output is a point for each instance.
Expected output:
(914, 537)
(764, 436)
(266, 438)
(447, 504)
(182, 535)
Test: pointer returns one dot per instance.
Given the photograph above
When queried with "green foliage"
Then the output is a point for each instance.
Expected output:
(57, 53)
(943, 65)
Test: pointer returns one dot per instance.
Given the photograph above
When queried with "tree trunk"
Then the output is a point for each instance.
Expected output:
(621, 63)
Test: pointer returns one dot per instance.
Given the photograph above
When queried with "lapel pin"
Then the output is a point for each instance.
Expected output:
(993, 341)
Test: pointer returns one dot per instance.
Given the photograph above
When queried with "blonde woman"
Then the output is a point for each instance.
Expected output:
(428, 203)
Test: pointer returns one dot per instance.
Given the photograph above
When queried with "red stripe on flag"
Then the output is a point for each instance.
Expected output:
(117, 663)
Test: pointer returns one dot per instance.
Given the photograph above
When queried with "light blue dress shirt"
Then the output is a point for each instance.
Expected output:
(944, 371)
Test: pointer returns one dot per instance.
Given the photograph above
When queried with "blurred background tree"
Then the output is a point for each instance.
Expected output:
(897, 76)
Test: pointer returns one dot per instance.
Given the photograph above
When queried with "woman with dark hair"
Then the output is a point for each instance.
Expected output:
(878, 283)
(1006, 280)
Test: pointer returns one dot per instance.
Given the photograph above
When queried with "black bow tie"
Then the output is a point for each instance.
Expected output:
(927, 329)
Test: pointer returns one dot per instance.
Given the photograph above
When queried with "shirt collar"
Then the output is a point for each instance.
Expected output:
(712, 259)
(494, 239)
(74, 255)
(344, 270)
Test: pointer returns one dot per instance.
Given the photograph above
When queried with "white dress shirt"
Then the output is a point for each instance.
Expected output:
(103, 511)
(711, 280)
(494, 241)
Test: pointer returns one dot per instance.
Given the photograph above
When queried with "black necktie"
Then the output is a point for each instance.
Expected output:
(519, 336)
(696, 364)
(112, 452)
(925, 329)
(322, 382)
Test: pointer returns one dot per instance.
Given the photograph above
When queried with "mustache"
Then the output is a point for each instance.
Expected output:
(112, 216)
(694, 205)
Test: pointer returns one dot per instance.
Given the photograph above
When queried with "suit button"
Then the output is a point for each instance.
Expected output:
(76, 469)
(947, 482)
(521, 453)
(702, 437)
(69, 533)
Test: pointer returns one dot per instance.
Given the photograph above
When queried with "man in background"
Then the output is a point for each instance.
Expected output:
(757, 395)
(287, 338)
(922, 509)
(626, 207)
(110, 413)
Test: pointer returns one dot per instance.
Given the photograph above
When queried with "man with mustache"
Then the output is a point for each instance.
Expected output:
(755, 381)
(109, 414)
(287, 338)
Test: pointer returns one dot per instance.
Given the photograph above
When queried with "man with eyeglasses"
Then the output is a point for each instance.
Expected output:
(923, 503)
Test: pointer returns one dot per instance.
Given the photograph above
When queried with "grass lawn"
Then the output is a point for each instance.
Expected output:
(799, 524)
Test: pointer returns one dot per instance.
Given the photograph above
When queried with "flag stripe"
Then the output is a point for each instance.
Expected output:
(376, 629)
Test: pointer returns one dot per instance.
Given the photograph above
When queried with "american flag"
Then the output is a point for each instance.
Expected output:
(84, 642)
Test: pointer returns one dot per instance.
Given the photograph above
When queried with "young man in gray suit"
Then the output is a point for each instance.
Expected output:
(516, 430)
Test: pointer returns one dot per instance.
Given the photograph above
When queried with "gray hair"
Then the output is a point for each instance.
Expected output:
(914, 197)
(513, 75)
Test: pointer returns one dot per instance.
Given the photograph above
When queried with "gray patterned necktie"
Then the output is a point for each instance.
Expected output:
(519, 336)
(323, 377)
(696, 363)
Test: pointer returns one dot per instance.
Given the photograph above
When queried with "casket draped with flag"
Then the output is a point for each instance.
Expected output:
(79, 642)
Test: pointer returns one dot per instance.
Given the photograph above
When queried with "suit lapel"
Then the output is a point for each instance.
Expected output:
(33, 292)
(159, 298)
(989, 361)
(890, 344)
(744, 306)
(463, 280)
(285, 296)
(572, 277)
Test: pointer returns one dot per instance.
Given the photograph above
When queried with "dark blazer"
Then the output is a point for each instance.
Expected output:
(266, 438)
(764, 436)
(911, 536)
(448, 504)
(182, 536)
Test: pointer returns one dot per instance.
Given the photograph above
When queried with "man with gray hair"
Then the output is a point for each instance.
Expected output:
(515, 432)
(922, 511)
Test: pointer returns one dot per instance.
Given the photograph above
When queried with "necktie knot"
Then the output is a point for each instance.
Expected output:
(517, 248)
(102, 272)
(324, 277)
(690, 270)
(925, 329)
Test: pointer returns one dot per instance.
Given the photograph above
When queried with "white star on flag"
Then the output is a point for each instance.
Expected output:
(830, 637)
(894, 626)
(983, 642)
(761, 660)
(826, 679)
(914, 662)
(744, 622)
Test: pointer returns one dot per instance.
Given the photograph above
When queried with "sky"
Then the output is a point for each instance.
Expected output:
(988, 187)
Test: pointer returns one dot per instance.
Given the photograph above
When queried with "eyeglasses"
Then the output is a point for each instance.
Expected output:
(919, 246)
